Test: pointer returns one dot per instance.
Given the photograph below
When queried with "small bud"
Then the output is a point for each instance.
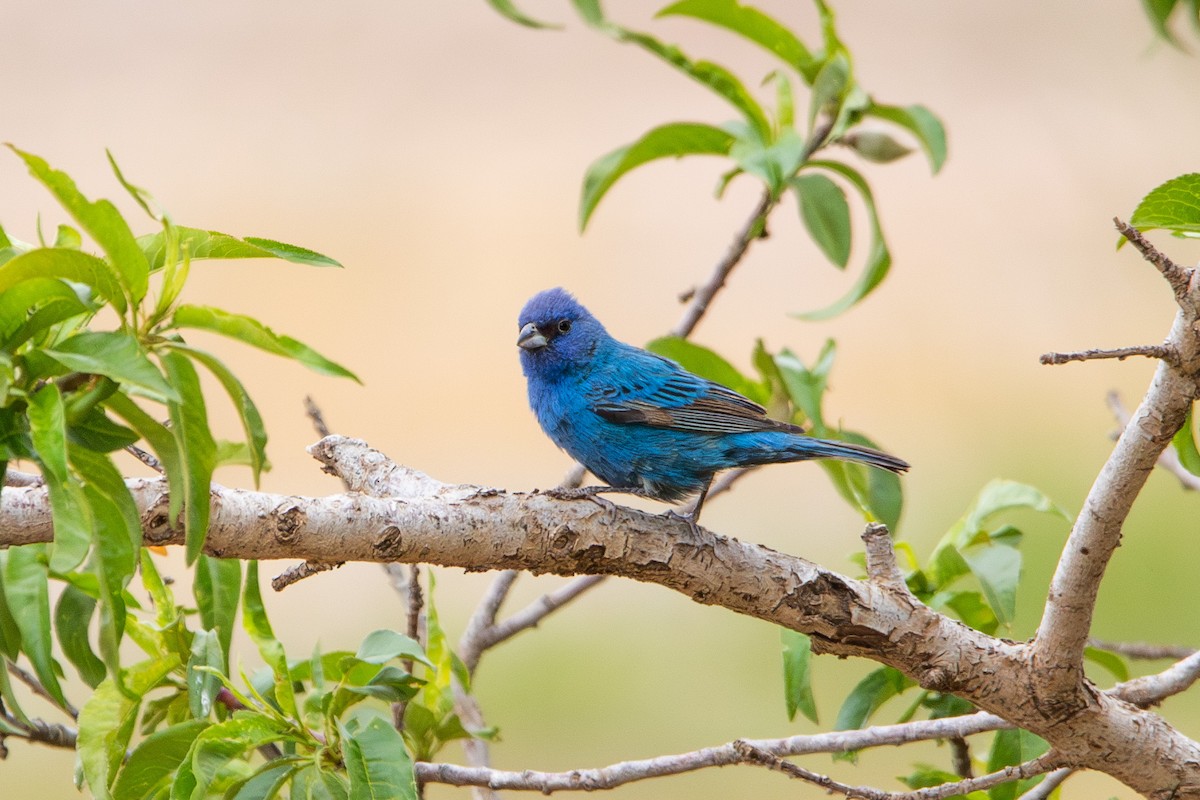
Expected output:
(878, 147)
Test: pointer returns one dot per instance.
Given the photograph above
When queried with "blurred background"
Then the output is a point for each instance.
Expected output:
(437, 151)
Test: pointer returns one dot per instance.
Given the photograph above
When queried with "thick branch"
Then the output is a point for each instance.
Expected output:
(425, 521)
(1066, 622)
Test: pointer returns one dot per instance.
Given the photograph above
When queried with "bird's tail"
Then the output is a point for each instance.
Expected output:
(766, 448)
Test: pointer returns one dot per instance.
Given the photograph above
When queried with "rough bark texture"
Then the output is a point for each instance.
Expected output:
(425, 521)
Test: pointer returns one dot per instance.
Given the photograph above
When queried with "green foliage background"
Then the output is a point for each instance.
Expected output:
(437, 152)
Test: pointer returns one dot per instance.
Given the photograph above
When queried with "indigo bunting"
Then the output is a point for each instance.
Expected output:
(642, 423)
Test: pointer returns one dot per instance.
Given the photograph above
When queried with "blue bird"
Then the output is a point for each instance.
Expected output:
(642, 423)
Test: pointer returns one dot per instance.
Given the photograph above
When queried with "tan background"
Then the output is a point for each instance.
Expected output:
(437, 151)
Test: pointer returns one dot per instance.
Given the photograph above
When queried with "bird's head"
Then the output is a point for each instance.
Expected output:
(556, 333)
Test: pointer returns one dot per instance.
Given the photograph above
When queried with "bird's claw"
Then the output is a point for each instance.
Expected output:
(687, 519)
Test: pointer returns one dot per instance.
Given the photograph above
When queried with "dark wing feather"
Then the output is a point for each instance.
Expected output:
(663, 395)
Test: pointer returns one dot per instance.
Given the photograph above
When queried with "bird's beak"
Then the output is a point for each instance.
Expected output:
(530, 337)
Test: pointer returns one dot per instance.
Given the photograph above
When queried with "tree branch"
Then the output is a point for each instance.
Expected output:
(1168, 460)
(1121, 353)
(1066, 621)
(422, 520)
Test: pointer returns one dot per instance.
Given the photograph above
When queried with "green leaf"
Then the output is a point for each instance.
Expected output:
(707, 364)
(1159, 12)
(266, 783)
(27, 593)
(826, 215)
(870, 693)
(72, 615)
(217, 745)
(203, 684)
(33, 306)
(254, 620)
(714, 76)
(806, 387)
(95, 431)
(774, 162)
(998, 570)
(1113, 663)
(162, 441)
(10, 633)
(252, 423)
(254, 333)
(116, 355)
(189, 424)
(377, 762)
(752, 24)
(72, 528)
(875, 492)
(1173, 206)
(509, 11)
(389, 684)
(153, 761)
(381, 646)
(971, 609)
(1009, 748)
(1005, 495)
(1185, 445)
(922, 124)
(102, 222)
(879, 259)
(217, 588)
(877, 147)
(72, 265)
(797, 675)
(212, 244)
(675, 140)
(107, 720)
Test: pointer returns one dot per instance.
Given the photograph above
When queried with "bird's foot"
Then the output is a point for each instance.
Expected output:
(585, 493)
(686, 519)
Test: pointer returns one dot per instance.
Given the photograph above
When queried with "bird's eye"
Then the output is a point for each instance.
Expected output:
(564, 325)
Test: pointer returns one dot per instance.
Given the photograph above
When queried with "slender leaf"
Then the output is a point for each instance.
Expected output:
(116, 355)
(752, 24)
(254, 620)
(27, 592)
(252, 423)
(217, 745)
(775, 162)
(1004, 495)
(155, 759)
(254, 333)
(10, 632)
(107, 720)
(212, 244)
(217, 588)
(797, 674)
(203, 684)
(32, 306)
(923, 125)
(879, 259)
(189, 424)
(870, 693)
(714, 76)
(998, 570)
(826, 215)
(1113, 663)
(102, 222)
(377, 762)
(72, 615)
(72, 528)
(1185, 445)
(72, 265)
(162, 441)
(1009, 748)
(266, 783)
(674, 140)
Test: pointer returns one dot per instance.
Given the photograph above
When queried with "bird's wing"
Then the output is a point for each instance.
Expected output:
(650, 390)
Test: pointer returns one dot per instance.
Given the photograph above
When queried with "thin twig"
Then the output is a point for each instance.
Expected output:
(535, 612)
(471, 646)
(1018, 772)
(960, 757)
(1051, 782)
(1177, 276)
(755, 228)
(1144, 650)
(52, 734)
(149, 459)
(1162, 351)
(305, 569)
(37, 688)
(1168, 459)
(314, 413)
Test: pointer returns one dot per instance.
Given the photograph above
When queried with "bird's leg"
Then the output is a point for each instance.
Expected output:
(692, 518)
